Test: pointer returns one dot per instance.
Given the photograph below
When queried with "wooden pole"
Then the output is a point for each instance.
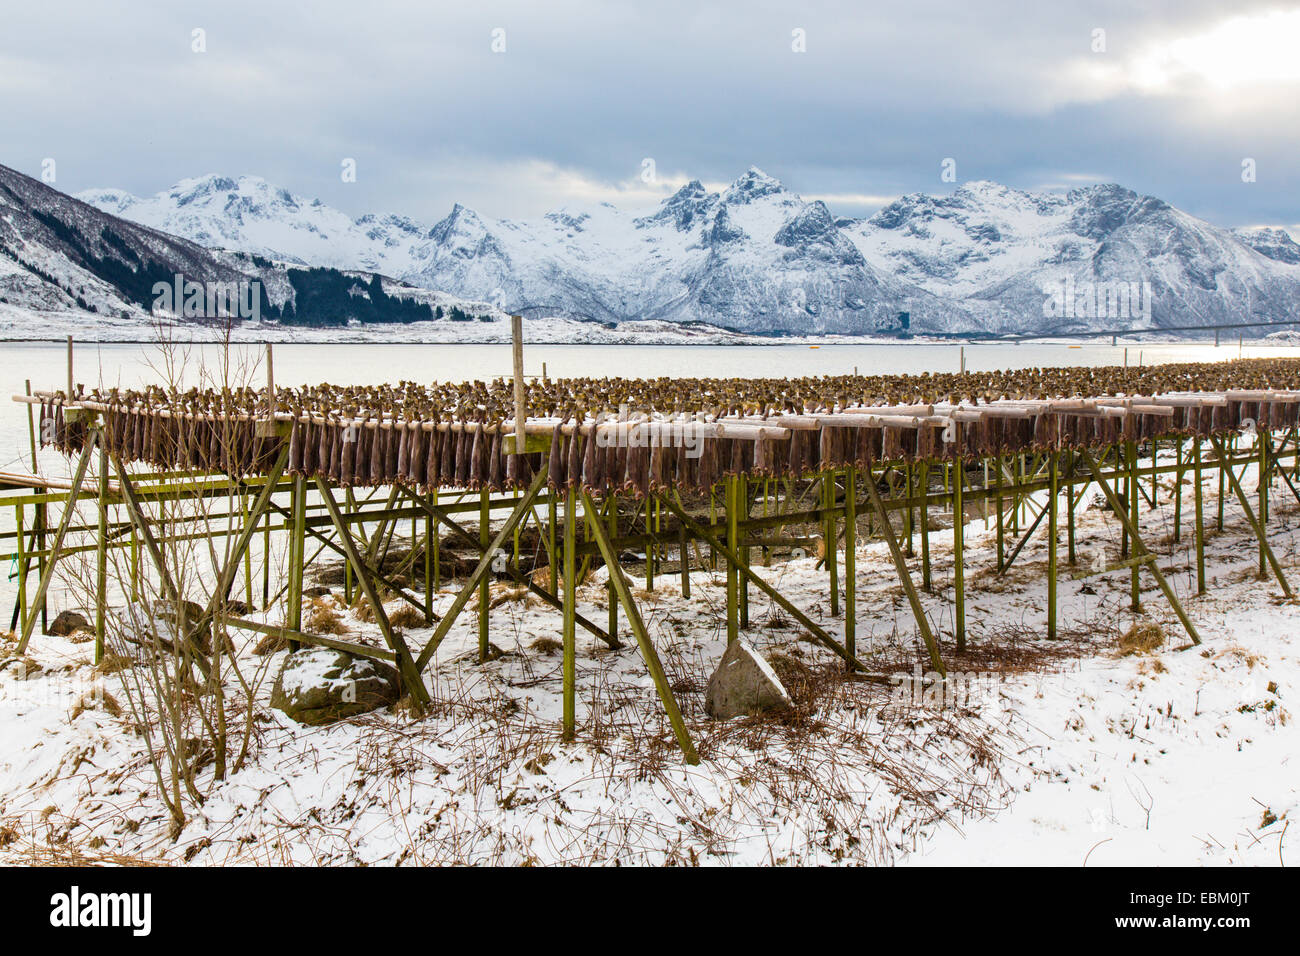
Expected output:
(831, 533)
(408, 669)
(22, 569)
(1135, 591)
(1200, 521)
(958, 549)
(570, 609)
(733, 544)
(1140, 550)
(41, 509)
(926, 581)
(905, 577)
(521, 407)
(297, 554)
(428, 571)
(1001, 528)
(1070, 502)
(648, 652)
(480, 572)
(1250, 517)
(1053, 489)
(101, 557)
(851, 560)
(69, 509)
(742, 582)
(485, 580)
(909, 516)
(1262, 489)
(1178, 490)
(816, 630)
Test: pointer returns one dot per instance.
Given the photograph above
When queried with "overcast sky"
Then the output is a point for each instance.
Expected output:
(851, 102)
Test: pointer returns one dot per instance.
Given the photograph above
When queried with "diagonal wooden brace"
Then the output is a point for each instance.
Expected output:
(905, 576)
(484, 565)
(1250, 515)
(648, 652)
(405, 666)
(818, 633)
(1138, 546)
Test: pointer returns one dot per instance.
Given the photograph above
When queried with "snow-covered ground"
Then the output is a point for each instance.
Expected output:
(1054, 752)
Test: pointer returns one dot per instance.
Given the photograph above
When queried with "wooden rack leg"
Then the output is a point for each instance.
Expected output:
(648, 652)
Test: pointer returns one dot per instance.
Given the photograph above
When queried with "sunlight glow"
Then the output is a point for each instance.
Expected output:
(1242, 51)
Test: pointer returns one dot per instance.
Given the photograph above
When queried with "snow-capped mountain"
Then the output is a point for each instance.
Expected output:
(755, 257)
(64, 261)
(997, 250)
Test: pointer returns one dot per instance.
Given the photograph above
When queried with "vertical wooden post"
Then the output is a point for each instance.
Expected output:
(69, 392)
(437, 545)
(1001, 532)
(958, 546)
(521, 407)
(612, 503)
(297, 554)
(1261, 437)
(851, 559)
(650, 529)
(733, 543)
(351, 500)
(1135, 592)
(248, 553)
(831, 534)
(1155, 474)
(135, 565)
(909, 522)
(101, 557)
(428, 570)
(1223, 463)
(742, 552)
(1053, 488)
(570, 605)
(69, 510)
(22, 569)
(924, 489)
(41, 509)
(1178, 490)
(1200, 521)
(484, 586)
(684, 558)
(1070, 502)
(552, 522)
(649, 655)
(266, 559)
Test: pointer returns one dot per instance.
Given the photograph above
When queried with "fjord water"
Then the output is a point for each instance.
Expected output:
(136, 365)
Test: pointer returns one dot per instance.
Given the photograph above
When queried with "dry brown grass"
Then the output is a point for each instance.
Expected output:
(323, 619)
(547, 645)
(406, 617)
(1141, 638)
(505, 594)
(271, 644)
(112, 663)
(101, 700)
(362, 610)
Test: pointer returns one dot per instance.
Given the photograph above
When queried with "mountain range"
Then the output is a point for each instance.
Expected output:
(753, 257)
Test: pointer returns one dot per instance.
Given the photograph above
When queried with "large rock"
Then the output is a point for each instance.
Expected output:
(67, 622)
(744, 684)
(319, 685)
(152, 624)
